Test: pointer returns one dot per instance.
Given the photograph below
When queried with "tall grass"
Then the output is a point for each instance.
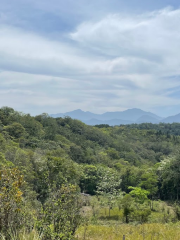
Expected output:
(33, 235)
(99, 226)
(162, 225)
(153, 231)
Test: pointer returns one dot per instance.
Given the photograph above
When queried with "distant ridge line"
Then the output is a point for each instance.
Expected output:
(128, 116)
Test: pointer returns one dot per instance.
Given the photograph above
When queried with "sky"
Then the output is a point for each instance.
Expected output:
(100, 55)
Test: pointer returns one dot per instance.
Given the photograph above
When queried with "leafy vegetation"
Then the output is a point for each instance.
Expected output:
(60, 178)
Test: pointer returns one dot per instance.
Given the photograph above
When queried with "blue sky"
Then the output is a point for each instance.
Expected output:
(98, 56)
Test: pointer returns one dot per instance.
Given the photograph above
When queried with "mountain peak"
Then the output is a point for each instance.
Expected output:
(77, 111)
(122, 117)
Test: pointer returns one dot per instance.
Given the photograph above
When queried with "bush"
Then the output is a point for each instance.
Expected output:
(61, 214)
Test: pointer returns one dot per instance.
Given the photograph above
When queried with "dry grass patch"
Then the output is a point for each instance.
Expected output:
(140, 232)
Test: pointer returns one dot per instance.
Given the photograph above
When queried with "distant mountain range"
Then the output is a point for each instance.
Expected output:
(129, 116)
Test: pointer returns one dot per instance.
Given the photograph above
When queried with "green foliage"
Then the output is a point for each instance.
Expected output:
(16, 130)
(176, 208)
(128, 208)
(123, 165)
(89, 179)
(169, 171)
(11, 214)
(140, 195)
(4, 162)
(149, 182)
(61, 214)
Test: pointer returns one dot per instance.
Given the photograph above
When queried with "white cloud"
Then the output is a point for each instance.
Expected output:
(115, 63)
(150, 40)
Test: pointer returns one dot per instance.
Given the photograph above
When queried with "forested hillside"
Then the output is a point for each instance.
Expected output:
(47, 162)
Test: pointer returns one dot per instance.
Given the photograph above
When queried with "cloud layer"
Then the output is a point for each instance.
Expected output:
(112, 63)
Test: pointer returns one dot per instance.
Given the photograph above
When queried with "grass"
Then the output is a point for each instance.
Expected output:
(99, 226)
(153, 231)
(162, 213)
(103, 227)
(33, 235)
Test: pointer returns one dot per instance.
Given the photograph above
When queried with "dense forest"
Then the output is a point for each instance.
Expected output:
(53, 169)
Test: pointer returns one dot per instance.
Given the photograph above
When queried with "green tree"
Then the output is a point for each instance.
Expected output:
(149, 182)
(89, 179)
(11, 215)
(169, 173)
(15, 130)
(128, 208)
(61, 214)
(140, 195)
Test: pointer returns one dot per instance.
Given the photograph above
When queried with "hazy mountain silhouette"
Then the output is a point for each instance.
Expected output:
(172, 119)
(147, 119)
(111, 122)
(129, 116)
(76, 114)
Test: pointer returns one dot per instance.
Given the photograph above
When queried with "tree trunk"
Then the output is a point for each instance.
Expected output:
(152, 204)
(177, 192)
(127, 219)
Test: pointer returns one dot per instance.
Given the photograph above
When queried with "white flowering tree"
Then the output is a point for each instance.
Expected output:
(109, 187)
